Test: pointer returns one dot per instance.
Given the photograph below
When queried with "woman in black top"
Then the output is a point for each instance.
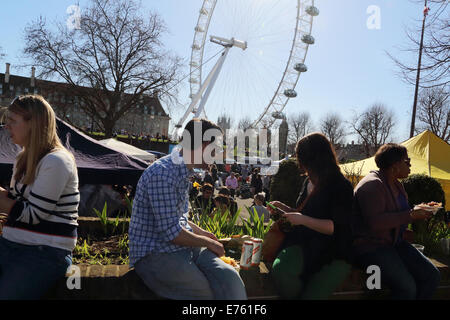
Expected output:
(312, 262)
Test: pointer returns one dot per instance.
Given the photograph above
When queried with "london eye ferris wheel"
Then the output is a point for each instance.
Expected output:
(247, 57)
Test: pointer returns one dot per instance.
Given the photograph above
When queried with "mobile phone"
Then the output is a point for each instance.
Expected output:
(271, 205)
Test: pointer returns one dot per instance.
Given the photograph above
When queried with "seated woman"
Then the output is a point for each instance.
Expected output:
(312, 263)
(41, 203)
(382, 214)
(233, 204)
(222, 204)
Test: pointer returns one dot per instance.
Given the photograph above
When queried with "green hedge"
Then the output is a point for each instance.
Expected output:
(421, 188)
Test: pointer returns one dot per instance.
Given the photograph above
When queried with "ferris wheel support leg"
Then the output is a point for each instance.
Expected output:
(208, 84)
(211, 80)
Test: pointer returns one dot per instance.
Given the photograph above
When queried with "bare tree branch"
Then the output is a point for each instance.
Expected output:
(332, 126)
(300, 125)
(436, 49)
(434, 112)
(117, 52)
(373, 127)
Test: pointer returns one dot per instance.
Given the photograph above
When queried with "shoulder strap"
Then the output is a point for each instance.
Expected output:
(308, 196)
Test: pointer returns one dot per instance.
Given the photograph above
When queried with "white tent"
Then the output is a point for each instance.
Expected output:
(128, 149)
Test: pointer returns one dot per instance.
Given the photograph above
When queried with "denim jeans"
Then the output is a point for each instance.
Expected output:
(27, 272)
(191, 274)
(404, 269)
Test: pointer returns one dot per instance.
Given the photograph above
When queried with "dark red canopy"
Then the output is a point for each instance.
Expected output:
(96, 163)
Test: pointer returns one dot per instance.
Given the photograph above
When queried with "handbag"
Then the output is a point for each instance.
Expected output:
(274, 238)
(272, 244)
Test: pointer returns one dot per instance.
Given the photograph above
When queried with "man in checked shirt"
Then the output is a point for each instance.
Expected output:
(174, 257)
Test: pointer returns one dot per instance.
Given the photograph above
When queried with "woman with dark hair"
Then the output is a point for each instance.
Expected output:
(383, 213)
(312, 263)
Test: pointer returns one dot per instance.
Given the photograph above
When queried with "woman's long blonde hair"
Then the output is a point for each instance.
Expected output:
(42, 139)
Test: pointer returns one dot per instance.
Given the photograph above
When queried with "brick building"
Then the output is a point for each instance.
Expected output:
(350, 152)
(147, 118)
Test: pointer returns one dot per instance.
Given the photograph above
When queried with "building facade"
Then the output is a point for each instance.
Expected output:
(147, 118)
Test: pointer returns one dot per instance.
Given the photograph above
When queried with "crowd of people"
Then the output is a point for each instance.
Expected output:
(244, 181)
(334, 226)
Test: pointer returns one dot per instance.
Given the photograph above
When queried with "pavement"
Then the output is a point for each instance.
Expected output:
(241, 204)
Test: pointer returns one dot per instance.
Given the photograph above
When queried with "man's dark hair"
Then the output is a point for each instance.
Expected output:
(388, 154)
(207, 186)
(196, 124)
(222, 199)
(225, 191)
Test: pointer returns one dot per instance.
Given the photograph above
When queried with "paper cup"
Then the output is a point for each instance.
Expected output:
(418, 247)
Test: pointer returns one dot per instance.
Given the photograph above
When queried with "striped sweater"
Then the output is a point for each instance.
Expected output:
(46, 211)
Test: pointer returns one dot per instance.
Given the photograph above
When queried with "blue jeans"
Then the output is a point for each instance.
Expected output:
(27, 272)
(190, 274)
(405, 270)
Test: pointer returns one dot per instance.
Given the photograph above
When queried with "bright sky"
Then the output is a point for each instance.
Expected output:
(348, 68)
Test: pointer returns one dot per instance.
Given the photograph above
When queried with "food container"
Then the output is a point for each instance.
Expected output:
(256, 253)
(246, 255)
(418, 247)
(428, 207)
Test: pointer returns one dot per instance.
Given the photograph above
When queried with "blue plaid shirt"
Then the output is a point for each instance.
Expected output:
(160, 209)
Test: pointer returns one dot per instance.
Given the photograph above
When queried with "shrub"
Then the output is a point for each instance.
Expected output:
(421, 188)
(255, 227)
(353, 173)
(287, 183)
(221, 224)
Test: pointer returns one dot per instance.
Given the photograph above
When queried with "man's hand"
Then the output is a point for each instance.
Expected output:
(216, 247)
(208, 234)
(201, 232)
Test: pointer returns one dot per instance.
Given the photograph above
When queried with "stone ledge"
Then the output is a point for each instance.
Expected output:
(118, 282)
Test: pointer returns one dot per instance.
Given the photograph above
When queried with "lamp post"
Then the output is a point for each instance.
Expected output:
(416, 93)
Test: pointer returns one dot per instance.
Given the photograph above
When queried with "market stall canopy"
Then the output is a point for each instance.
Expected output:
(96, 163)
(128, 149)
(430, 155)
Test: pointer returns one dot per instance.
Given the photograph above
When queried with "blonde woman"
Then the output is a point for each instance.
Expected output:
(41, 204)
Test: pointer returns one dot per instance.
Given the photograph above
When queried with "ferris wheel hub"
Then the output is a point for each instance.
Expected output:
(229, 42)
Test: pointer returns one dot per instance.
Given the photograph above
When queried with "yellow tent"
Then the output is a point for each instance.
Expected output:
(429, 155)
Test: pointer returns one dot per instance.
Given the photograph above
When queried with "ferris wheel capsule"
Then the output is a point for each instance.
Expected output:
(301, 67)
(290, 93)
(312, 11)
(308, 39)
(278, 115)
